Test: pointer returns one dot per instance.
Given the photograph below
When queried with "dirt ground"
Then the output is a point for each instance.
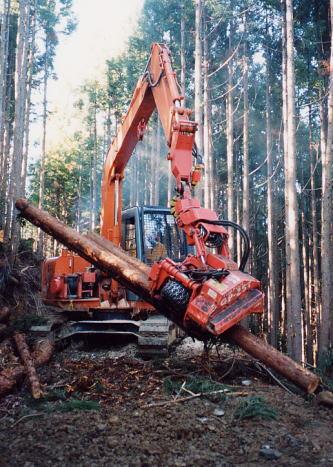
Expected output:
(105, 406)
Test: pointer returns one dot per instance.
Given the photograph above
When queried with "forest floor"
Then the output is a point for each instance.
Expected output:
(103, 405)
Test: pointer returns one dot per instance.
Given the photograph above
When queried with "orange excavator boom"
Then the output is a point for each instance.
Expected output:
(208, 290)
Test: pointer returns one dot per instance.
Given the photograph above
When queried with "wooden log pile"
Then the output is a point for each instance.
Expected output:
(28, 363)
(10, 377)
(133, 274)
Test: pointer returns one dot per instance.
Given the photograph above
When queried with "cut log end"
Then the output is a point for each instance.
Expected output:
(276, 360)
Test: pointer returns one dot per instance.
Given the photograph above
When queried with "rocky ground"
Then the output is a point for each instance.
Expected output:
(105, 406)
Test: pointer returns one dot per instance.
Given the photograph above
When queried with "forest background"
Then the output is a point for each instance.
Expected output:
(258, 76)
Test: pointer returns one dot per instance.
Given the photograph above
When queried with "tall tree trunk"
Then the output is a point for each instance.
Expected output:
(306, 282)
(20, 104)
(40, 242)
(273, 294)
(315, 296)
(4, 46)
(94, 165)
(9, 117)
(157, 163)
(182, 51)
(152, 169)
(246, 181)
(28, 103)
(230, 141)
(326, 329)
(4, 42)
(207, 126)
(286, 278)
(79, 199)
(197, 73)
(294, 313)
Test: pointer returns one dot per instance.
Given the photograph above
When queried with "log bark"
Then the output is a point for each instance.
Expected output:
(135, 277)
(9, 378)
(274, 359)
(26, 358)
(108, 245)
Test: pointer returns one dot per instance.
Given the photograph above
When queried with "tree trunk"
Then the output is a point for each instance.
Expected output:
(157, 163)
(315, 295)
(182, 51)
(94, 165)
(28, 103)
(230, 143)
(207, 128)
(40, 242)
(273, 294)
(294, 313)
(20, 109)
(286, 278)
(4, 43)
(246, 181)
(197, 73)
(9, 113)
(326, 328)
(306, 282)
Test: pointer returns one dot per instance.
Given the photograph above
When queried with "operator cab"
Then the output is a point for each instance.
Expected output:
(151, 234)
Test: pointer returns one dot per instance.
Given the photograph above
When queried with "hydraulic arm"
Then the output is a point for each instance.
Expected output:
(208, 291)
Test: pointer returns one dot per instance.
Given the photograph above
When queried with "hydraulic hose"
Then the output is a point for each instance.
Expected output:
(244, 235)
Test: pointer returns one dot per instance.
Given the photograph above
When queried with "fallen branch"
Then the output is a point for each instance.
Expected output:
(9, 378)
(283, 386)
(29, 415)
(26, 358)
(195, 396)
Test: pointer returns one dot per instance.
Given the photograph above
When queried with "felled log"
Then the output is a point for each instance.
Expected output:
(125, 269)
(4, 314)
(9, 378)
(109, 246)
(273, 358)
(26, 358)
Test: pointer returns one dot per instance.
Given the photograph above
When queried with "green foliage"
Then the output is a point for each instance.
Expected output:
(255, 407)
(74, 405)
(65, 172)
(58, 400)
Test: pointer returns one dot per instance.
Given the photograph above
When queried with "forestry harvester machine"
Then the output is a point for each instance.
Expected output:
(187, 247)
